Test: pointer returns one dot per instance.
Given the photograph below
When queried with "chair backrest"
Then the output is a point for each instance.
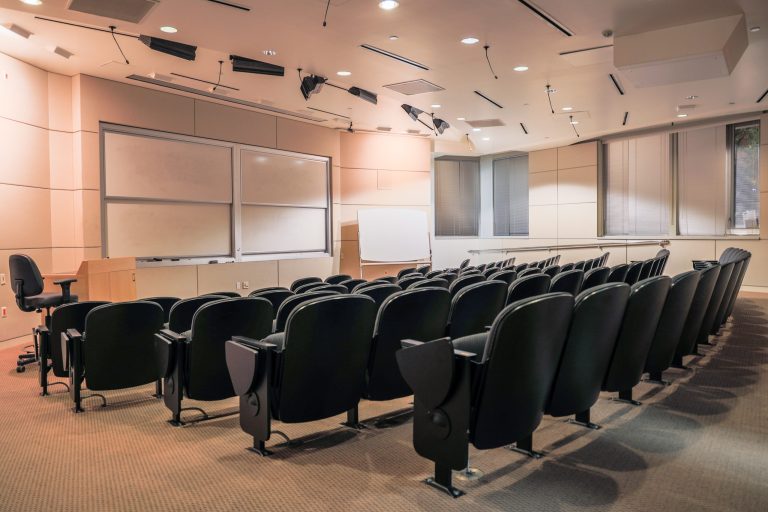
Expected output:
(633, 272)
(698, 309)
(528, 286)
(504, 275)
(595, 277)
(368, 284)
(420, 314)
(522, 266)
(463, 282)
(474, 307)
(67, 316)
(164, 302)
(646, 301)
(304, 280)
(528, 271)
(588, 265)
(427, 283)
(308, 286)
(206, 373)
(231, 295)
(603, 259)
(720, 316)
(567, 266)
(551, 270)
(389, 279)
(275, 297)
(433, 273)
(448, 276)
(567, 282)
(350, 284)
(340, 288)
(379, 292)
(708, 323)
(519, 365)
(618, 273)
(405, 272)
(26, 280)
(406, 281)
(423, 269)
(597, 317)
(327, 344)
(663, 255)
(180, 316)
(337, 279)
(119, 348)
(747, 257)
(672, 320)
(579, 265)
(646, 268)
(291, 303)
(464, 263)
(490, 271)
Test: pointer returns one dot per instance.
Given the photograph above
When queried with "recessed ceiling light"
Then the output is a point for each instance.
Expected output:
(270, 53)
(470, 40)
(486, 138)
(343, 73)
(436, 105)
(682, 115)
(691, 97)
(32, 2)
(461, 119)
(388, 5)
(475, 129)
(574, 122)
(520, 68)
(567, 109)
(393, 38)
(754, 29)
(169, 29)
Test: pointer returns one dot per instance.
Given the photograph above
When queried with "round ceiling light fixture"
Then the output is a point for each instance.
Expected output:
(169, 29)
(574, 122)
(436, 105)
(754, 29)
(520, 69)
(566, 109)
(393, 38)
(470, 40)
(475, 129)
(461, 118)
(388, 5)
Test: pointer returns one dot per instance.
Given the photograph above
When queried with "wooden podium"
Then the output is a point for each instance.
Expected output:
(112, 280)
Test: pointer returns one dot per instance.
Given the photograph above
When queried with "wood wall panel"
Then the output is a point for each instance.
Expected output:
(383, 151)
(23, 92)
(543, 160)
(231, 124)
(308, 138)
(24, 153)
(577, 155)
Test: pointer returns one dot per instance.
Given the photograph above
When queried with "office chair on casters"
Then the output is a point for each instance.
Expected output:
(27, 285)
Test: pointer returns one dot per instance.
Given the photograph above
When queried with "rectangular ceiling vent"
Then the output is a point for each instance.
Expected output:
(486, 123)
(414, 87)
(414, 132)
(132, 11)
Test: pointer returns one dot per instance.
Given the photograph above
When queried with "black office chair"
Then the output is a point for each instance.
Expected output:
(646, 302)
(193, 365)
(117, 350)
(474, 307)
(488, 390)
(230, 295)
(304, 288)
(406, 281)
(595, 277)
(315, 370)
(63, 318)
(687, 341)
(429, 283)
(291, 303)
(671, 323)
(350, 284)
(164, 302)
(633, 272)
(340, 288)
(528, 286)
(529, 271)
(504, 275)
(27, 285)
(551, 270)
(379, 293)
(463, 282)
(304, 280)
(180, 316)
(618, 273)
(275, 296)
(567, 282)
(337, 279)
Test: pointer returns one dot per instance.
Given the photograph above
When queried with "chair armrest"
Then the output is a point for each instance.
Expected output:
(256, 344)
(168, 348)
(73, 334)
(410, 343)
(173, 336)
(65, 281)
(249, 364)
(65, 288)
(428, 369)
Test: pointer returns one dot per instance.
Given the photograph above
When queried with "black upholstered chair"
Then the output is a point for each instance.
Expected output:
(579, 265)
(304, 280)
(709, 320)
(428, 283)
(420, 314)
(567, 282)
(314, 370)
(27, 285)
(350, 284)
(378, 293)
(522, 266)
(193, 366)
(646, 269)
(433, 273)
(180, 316)
(340, 288)
(407, 272)
(368, 284)
(567, 266)
(308, 286)
(63, 318)
(164, 302)
(551, 270)
(618, 273)
(464, 263)
(528, 286)
(275, 296)
(291, 303)
(408, 280)
(504, 275)
(481, 389)
(448, 276)
(474, 307)
(662, 255)
(597, 318)
(686, 344)
(337, 279)
(671, 323)
(746, 258)
(638, 327)
(423, 269)
(720, 315)
(463, 282)
(231, 295)
(117, 350)
(392, 279)
(529, 271)
(633, 272)
(595, 277)
(490, 271)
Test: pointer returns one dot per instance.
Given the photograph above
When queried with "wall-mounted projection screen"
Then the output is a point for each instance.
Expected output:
(390, 235)
(171, 196)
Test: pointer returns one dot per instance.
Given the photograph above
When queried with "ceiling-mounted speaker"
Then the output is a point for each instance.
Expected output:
(364, 95)
(246, 65)
(311, 84)
(180, 50)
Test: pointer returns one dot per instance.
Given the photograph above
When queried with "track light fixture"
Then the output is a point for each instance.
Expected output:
(180, 50)
(438, 125)
(550, 90)
(412, 112)
(312, 84)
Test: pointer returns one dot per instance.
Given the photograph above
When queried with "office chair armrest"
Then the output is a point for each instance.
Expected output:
(249, 362)
(65, 287)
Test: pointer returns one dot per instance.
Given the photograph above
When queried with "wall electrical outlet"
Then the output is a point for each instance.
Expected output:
(246, 285)
(239, 285)
(4, 312)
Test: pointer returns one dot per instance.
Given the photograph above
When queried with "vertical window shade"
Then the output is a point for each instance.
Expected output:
(702, 168)
(457, 197)
(745, 156)
(637, 186)
(510, 196)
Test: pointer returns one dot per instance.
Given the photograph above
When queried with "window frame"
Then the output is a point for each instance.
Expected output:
(731, 228)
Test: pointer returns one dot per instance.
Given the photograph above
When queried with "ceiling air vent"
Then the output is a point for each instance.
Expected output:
(133, 11)
(486, 123)
(414, 132)
(414, 87)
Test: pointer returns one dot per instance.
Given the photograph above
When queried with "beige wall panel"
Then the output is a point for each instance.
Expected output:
(681, 254)
(23, 153)
(220, 122)
(618, 255)
(382, 187)
(763, 130)
(542, 188)
(544, 160)
(574, 255)
(60, 102)
(28, 86)
(19, 323)
(62, 218)
(336, 222)
(644, 252)
(308, 138)
(577, 220)
(33, 228)
(61, 156)
(348, 218)
(449, 252)
(391, 152)
(87, 161)
(290, 270)
(764, 162)
(577, 185)
(91, 216)
(336, 184)
(542, 221)
(578, 155)
(225, 276)
(336, 257)
(764, 215)
(65, 260)
(757, 273)
(167, 281)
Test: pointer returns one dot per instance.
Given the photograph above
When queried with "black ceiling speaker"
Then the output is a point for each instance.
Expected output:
(440, 125)
(364, 95)
(180, 50)
(413, 112)
(311, 84)
(246, 65)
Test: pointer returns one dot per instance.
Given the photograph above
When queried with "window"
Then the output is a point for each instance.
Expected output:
(457, 197)
(510, 196)
(745, 165)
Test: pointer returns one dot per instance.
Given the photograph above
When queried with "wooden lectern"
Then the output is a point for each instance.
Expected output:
(111, 279)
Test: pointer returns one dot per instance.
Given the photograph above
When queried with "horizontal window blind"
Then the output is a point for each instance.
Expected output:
(510, 196)
(457, 197)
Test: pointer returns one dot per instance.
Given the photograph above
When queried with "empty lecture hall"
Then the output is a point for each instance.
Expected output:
(383, 255)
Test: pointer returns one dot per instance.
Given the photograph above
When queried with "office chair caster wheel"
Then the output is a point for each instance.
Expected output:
(21, 369)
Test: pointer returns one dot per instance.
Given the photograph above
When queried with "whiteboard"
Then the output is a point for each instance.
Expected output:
(393, 234)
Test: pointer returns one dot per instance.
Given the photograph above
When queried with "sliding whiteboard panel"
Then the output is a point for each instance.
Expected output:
(168, 230)
(393, 234)
(153, 168)
(276, 229)
(283, 180)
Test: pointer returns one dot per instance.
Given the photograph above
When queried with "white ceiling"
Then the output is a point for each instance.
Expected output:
(429, 32)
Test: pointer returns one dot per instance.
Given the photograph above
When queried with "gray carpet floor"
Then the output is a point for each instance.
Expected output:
(700, 444)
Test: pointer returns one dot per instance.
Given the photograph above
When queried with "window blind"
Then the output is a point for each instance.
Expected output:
(510, 196)
(457, 197)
